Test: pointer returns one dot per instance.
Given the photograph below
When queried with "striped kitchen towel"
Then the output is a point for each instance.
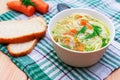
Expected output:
(43, 64)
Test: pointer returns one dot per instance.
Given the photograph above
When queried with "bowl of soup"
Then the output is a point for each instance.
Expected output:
(80, 36)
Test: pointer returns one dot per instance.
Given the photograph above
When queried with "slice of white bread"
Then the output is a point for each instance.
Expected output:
(18, 31)
(21, 49)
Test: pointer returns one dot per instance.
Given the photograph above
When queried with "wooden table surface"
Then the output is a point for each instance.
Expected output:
(9, 71)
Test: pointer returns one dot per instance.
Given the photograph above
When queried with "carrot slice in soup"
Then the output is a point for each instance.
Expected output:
(78, 16)
(83, 22)
(89, 26)
(66, 41)
(74, 31)
(79, 47)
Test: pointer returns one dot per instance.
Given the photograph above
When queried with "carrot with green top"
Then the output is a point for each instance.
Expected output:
(18, 6)
(41, 6)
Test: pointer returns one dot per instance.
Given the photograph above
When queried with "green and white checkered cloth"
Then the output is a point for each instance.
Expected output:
(43, 64)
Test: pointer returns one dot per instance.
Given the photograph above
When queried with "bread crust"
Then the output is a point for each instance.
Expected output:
(23, 52)
(22, 39)
(28, 37)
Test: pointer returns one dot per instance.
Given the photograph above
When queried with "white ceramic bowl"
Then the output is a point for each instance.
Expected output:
(77, 58)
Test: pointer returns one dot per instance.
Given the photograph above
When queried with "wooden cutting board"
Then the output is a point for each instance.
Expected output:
(3, 7)
(8, 70)
(115, 75)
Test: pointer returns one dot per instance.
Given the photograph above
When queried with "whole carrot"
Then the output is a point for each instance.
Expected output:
(18, 6)
(41, 6)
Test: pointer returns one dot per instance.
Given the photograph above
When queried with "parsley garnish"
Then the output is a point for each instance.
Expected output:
(66, 46)
(82, 30)
(104, 42)
(96, 32)
(28, 2)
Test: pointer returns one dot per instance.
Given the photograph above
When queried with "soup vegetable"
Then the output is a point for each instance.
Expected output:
(81, 32)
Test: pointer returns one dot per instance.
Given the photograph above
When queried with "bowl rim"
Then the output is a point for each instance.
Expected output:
(67, 10)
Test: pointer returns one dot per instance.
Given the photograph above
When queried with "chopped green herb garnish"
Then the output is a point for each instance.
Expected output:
(82, 30)
(97, 29)
(28, 2)
(66, 46)
(53, 32)
(91, 35)
(104, 42)
(96, 32)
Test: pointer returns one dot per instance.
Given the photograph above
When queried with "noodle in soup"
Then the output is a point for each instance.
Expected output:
(81, 32)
